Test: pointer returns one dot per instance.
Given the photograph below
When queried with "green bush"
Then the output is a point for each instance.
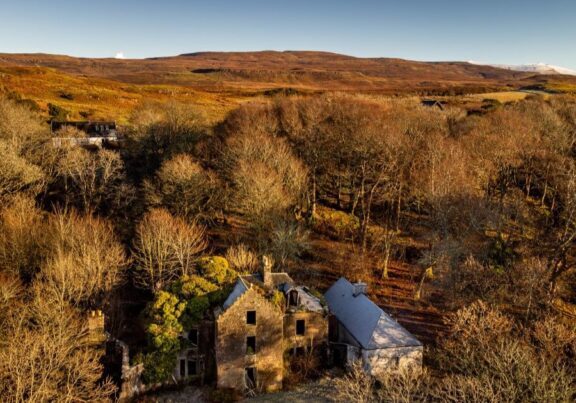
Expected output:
(179, 308)
(216, 269)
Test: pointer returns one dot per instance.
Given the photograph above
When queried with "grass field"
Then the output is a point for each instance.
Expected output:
(504, 97)
(98, 98)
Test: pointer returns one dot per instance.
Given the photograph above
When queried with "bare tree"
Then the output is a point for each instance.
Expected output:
(242, 259)
(45, 356)
(17, 174)
(86, 261)
(22, 128)
(186, 189)
(90, 178)
(165, 248)
(355, 386)
(288, 241)
(22, 238)
(268, 180)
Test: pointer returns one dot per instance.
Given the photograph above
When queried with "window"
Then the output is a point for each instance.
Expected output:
(193, 336)
(251, 317)
(300, 327)
(250, 377)
(182, 368)
(293, 298)
(251, 345)
(192, 369)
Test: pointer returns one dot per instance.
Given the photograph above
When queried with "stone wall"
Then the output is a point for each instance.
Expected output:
(386, 360)
(202, 353)
(232, 357)
(316, 329)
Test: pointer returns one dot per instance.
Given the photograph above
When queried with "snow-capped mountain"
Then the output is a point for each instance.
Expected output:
(538, 68)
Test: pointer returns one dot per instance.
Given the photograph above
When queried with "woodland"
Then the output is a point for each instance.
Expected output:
(462, 223)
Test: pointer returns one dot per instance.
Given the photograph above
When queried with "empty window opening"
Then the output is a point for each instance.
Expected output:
(250, 377)
(293, 298)
(193, 336)
(251, 317)
(300, 327)
(251, 345)
(182, 368)
(192, 368)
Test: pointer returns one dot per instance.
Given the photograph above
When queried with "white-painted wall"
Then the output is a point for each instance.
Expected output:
(386, 360)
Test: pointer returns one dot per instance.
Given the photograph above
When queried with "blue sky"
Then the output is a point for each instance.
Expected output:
(504, 31)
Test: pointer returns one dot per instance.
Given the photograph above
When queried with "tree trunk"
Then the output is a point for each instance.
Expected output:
(339, 193)
(385, 263)
(399, 207)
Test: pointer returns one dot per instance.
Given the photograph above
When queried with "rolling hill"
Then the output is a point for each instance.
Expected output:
(108, 88)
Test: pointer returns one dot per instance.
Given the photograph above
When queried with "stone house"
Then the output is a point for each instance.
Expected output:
(196, 360)
(96, 134)
(362, 331)
(247, 342)
(265, 316)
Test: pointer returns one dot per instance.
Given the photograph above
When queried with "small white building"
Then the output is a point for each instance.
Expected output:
(361, 330)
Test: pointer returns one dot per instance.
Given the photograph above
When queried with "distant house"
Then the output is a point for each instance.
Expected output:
(433, 103)
(94, 133)
(91, 128)
(361, 331)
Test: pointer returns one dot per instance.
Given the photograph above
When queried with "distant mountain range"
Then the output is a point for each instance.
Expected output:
(538, 68)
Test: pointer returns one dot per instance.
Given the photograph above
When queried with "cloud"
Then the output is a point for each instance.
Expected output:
(119, 55)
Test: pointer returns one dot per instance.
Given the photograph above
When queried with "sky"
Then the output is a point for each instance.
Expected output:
(491, 31)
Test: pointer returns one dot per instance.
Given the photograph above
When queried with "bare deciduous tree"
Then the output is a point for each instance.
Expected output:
(242, 259)
(267, 178)
(90, 178)
(17, 174)
(45, 356)
(85, 262)
(165, 248)
(22, 237)
(186, 189)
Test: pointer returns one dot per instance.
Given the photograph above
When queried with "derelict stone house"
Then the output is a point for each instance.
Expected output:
(249, 340)
(266, 318)
(243, 343)
(360, 330)
(196, 360)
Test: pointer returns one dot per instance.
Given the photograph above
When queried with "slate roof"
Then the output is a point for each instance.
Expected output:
(306, 300)
(239, 288)
(364, 320)
(243, 284)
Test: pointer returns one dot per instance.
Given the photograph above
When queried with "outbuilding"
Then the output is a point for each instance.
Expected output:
(361, 331)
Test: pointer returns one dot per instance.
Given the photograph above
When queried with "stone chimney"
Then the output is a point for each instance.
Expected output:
(360, 288)
(267, 271)
(96, 333)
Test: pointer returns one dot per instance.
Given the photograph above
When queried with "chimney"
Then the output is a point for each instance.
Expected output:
(267, 271)
(360, 288)
(96, 332)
